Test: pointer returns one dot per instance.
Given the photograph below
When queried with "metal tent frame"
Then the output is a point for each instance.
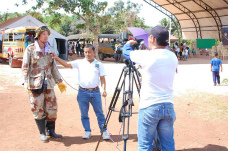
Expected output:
(198, 19)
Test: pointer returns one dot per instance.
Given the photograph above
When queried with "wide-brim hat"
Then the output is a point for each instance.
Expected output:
(41, 29)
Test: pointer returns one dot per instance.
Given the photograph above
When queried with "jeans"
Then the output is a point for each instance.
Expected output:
(185, 57)
(94, 97)
(117, 56)
(158, 116)
(78, 51)
(156, 138)
(216, 77)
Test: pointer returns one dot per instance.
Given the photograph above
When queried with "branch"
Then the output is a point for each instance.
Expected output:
(86, 20)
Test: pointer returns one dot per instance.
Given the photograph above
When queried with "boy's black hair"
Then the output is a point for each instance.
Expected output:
(216, 54)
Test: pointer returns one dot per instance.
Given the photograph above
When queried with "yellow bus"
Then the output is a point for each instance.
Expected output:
(13, 44)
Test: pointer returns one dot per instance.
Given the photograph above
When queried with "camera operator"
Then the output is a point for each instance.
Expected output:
(156, 110)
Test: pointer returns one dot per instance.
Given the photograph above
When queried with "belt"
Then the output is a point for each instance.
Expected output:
(89, 89)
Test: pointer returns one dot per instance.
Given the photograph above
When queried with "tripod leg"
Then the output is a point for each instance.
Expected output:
(126, 117)
(127, 106)
(111, 106)
(137, 81)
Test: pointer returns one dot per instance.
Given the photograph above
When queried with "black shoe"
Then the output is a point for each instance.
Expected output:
(51, 130)
(41, 126)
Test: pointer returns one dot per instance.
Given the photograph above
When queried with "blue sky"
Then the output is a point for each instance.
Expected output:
(150, 14)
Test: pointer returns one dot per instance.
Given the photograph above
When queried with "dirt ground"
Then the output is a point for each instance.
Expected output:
(201, 108)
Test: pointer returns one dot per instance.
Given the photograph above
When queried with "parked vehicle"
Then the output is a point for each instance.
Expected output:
(105, 50)
(13, 44)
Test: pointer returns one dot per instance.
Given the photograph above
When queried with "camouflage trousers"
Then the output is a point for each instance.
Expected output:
(44, 105)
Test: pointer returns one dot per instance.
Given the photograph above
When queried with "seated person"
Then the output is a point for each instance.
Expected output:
(117, 54)
(29, 41)
(207, 52)
(112, 45)
(27, 37)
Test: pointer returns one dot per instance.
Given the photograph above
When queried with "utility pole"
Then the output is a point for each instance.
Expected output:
(170, 22)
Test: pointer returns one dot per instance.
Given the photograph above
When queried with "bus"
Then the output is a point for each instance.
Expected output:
(13, 44)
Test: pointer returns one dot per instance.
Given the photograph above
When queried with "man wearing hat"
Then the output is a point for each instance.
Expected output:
(156, 110)
(40, 77)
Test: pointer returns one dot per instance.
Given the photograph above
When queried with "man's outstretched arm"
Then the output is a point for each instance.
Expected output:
(61, 61)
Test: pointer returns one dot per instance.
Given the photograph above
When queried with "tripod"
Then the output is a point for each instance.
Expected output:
(126, 110)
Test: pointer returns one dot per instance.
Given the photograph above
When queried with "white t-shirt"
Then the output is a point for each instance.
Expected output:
(70, 48)
(89, 73)
(158, 71)
(177, 48)
(186, 52)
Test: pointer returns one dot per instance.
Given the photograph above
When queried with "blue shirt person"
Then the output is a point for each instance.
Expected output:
(216, 63)
(28, 38)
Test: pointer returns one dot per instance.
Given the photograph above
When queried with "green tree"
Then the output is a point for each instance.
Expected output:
(174, 29)
(36, 15)
(63, 27)
(53, 20)
(90, 11)
(6, 16)
(122, 16)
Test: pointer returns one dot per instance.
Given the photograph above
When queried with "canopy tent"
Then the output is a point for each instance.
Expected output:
(173, 38)
(57, 41)
(82, 36)
(198, 19)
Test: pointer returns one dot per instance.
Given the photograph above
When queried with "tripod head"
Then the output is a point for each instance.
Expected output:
(128, 62)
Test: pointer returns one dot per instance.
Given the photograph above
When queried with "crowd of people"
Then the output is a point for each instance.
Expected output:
(182, 51)
(77, 48)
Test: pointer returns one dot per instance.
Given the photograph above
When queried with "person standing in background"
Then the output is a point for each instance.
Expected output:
(216, 63)
(78, 48)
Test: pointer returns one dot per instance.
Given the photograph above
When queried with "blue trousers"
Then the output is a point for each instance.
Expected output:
(84, 99)
(216, 77)
(158, 117)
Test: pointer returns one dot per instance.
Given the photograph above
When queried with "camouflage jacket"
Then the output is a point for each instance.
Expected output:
(36, 67)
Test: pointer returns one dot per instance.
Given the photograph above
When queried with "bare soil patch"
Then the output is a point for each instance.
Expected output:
(201, 108)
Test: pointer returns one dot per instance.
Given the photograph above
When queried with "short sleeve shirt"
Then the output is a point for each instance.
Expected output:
(89, 73)
(216, 62)
(158, 71)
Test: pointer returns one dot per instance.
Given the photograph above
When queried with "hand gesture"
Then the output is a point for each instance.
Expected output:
(132, 42)
(104, 94)
(53, 55)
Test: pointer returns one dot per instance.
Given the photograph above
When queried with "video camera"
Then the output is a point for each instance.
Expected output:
(123, 40)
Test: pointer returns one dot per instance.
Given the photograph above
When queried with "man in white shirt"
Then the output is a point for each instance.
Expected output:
(90, 73)
(156, 110)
